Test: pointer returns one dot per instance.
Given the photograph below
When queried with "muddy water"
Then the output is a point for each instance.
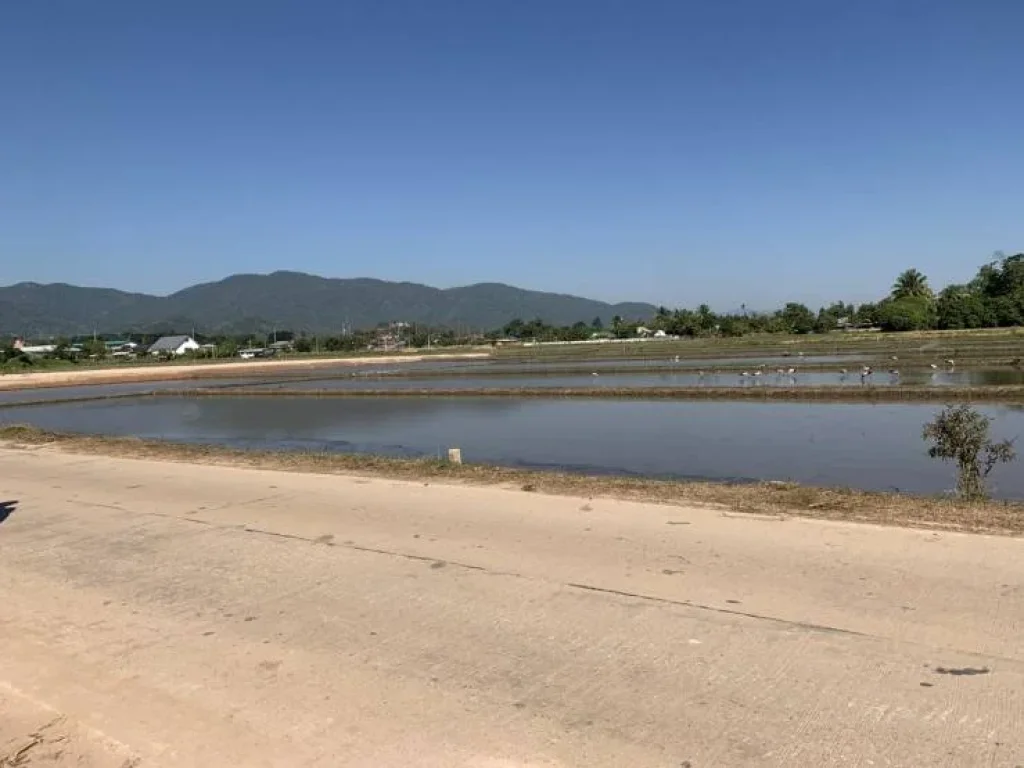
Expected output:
(858, 445)
(639, 380)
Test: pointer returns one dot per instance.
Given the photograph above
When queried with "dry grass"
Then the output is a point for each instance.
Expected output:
(772, 498)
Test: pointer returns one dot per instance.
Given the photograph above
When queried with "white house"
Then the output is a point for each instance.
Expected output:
(40, 349)
(173, 345)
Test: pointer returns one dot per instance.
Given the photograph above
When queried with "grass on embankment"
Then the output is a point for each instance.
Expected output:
(998, 346)
(772, 498)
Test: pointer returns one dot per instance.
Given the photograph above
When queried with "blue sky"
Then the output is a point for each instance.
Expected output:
(672, 151)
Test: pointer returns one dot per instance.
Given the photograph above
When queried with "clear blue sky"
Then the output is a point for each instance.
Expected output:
(673, 151)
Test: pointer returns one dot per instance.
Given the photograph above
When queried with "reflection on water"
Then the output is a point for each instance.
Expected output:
(859, 445)
(590, 375)
(106, 390)
(671, 362)
(618, 380)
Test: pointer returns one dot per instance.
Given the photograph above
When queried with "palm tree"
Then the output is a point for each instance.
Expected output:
(910, 283)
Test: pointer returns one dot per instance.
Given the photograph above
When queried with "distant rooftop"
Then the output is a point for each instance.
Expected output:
(168, 343)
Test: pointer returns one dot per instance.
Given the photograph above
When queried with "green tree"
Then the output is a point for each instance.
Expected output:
(94, 348)
(910, 283)
(910, 313)
(733, 326)
(867, 314)
(797, 318)
(828, 318)
(960, 434)
(514, 328)
(958, 306)
(706, 319)
(597, 324)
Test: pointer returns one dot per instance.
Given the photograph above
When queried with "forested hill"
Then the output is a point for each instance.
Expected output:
(289, 300)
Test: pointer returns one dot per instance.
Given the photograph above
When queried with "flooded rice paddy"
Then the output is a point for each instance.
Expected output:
(870, 446)
(643, 378)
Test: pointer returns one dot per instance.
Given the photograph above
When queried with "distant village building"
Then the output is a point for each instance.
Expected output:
(121, 348)
(39, 349)
(173, 345)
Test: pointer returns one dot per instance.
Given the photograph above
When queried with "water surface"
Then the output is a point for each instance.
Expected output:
(873, 446)
(377, 380)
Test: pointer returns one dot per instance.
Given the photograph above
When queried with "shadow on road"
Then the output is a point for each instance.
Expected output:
(7, 509)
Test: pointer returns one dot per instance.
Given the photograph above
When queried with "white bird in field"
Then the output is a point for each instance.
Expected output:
(744, 374)
(757, 373)
(594, 373)
(791, 371)
(894, 358)
(842, 371)
(933, 366)
(950, 363)
(677, 358)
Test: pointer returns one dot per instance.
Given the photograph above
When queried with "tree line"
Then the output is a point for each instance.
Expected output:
(76, 348)
(993, 299)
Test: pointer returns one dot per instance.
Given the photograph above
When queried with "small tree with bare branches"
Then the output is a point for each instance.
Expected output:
(960, 434)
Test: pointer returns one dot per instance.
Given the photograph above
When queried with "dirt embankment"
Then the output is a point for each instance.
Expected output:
(778, 499)
(213, 370)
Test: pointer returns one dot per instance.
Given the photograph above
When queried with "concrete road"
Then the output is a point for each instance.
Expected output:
(160, 614)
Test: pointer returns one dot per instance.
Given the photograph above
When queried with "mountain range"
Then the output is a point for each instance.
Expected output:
(243, 304)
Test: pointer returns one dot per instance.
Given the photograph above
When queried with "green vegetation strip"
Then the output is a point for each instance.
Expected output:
(772, 498)
(868, 393)
(1004, 346)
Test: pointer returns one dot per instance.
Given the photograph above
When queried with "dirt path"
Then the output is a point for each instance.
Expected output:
(241, 368)
(164, 614)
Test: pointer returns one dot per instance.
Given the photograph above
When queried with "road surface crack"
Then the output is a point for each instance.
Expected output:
(715, 609)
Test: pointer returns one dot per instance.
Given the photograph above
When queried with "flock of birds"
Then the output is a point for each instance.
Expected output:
(866, 372)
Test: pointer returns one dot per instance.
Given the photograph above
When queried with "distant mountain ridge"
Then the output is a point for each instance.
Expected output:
(295, 301)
